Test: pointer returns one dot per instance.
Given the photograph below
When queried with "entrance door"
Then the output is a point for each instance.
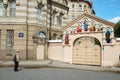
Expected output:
(86, 50)
(40, 52)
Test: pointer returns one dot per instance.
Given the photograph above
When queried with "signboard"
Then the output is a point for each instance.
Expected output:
(21, 35)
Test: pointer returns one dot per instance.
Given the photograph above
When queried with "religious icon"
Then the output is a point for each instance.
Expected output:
(78, 29)
(67, 38)
(92, 27)
(107, 35)
(85, 25)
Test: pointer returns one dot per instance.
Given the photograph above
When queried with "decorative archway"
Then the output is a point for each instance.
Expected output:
(39, 38)
(87, 50)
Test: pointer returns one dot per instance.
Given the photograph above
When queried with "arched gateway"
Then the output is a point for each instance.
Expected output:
(87, 50)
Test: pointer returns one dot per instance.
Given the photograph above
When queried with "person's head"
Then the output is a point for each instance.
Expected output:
(17, 52)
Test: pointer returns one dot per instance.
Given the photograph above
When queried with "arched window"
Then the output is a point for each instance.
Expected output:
(41, 34)
(12, 8)
(1, 7)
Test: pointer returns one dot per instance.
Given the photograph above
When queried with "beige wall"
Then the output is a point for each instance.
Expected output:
(111, 54)
(61, 52)
(19, 43)
(55, 51)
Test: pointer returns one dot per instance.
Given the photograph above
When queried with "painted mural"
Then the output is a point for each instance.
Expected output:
(107, 35)
(88, 25)
(85, 25)
(67, 38)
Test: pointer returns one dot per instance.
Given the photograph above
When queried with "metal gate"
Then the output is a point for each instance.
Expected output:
(86, 50)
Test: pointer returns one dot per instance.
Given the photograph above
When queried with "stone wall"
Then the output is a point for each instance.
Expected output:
(19, 42)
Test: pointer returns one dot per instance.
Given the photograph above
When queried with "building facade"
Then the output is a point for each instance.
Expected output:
(25, 24)
(64, 30)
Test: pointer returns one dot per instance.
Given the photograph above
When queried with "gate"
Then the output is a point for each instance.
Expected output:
(86, 50)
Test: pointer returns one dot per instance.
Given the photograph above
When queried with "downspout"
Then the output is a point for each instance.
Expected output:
(27, 32)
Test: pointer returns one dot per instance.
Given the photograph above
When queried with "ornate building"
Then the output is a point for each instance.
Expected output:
(26, 23)
(64, 30)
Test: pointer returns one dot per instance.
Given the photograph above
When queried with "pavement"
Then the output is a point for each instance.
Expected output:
(57, 64)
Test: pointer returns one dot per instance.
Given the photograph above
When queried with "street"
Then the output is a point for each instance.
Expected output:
(56, 74)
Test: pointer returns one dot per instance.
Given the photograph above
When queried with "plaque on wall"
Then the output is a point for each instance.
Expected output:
(21, 35)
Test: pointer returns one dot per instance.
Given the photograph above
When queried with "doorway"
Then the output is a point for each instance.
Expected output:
(40, 52)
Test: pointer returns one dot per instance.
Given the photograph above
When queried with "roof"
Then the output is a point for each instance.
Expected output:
(82, 1)
(89, 16)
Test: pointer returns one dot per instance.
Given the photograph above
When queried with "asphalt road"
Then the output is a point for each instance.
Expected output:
(56, 74)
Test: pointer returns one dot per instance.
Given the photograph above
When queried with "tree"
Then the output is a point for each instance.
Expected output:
(117, 30)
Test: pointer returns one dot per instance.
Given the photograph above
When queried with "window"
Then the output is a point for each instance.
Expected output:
(85, 7)
(9, 41)
(41, 34)
(64, 2)
(73, 6)
(60, 19)
(80, 8)
(12, 7)
(73, 17)
(1, 8)
(39, 13)
(10, 38)
(53, 16)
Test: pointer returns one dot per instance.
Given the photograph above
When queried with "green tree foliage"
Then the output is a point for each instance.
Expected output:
(117, 30)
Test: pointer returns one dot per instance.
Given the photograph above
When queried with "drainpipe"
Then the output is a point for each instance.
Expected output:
(50, 3)
(27, 32)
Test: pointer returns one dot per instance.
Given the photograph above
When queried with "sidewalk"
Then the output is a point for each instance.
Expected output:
(51, 63)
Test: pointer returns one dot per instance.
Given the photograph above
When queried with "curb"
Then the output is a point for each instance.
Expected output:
(54, 64)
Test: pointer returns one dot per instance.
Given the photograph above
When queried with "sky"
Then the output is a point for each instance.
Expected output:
(107, 9)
